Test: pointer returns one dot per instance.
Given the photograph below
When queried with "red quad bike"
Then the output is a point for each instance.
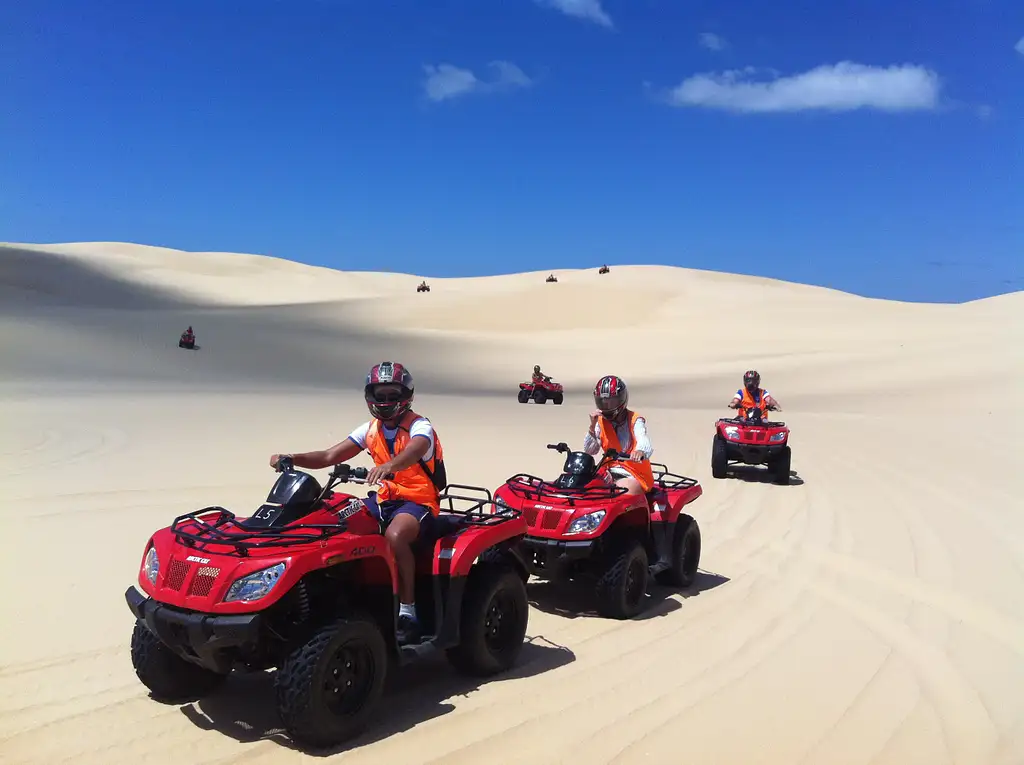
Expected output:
(752, 441)
(187, 341)
(540, 392)
(583, 528)
(308, 585)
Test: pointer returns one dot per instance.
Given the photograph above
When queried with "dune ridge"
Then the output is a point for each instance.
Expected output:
(871, 612)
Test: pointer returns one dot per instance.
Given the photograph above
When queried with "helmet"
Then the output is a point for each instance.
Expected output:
(751, 380)
(536, 368)
(611, 396)
(387, 404)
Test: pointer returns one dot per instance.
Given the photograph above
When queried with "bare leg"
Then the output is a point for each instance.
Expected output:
(631, 485)
(628, 482)
(401, 533)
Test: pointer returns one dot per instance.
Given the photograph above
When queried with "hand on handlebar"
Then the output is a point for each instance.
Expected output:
(379, 473)
(281, 462)
(345, 473)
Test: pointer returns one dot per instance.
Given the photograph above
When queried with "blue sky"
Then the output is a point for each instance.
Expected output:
(872, 146)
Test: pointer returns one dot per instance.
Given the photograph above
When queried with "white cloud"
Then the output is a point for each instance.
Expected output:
(711, 41)
(840, 87)
(445, 81)
(587, 10)
(1019, 47)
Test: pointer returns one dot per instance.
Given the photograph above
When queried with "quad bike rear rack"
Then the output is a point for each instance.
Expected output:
(667, 480)
(226, 530)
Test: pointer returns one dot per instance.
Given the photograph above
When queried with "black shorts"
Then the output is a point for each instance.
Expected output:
(386, 511)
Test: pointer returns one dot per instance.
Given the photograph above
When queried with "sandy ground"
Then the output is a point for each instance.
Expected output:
(871, 612)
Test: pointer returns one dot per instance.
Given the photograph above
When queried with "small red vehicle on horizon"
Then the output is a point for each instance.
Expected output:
(308, 584)
(187, 339)
(540, 391)
(583, 528)
(751, 440)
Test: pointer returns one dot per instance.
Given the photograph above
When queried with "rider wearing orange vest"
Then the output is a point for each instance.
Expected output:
(402, 442)
(614, 426)
(750, 396)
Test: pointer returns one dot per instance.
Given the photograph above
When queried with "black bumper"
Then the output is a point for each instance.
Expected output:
(210, 641)
(752, 454)
(548, 558)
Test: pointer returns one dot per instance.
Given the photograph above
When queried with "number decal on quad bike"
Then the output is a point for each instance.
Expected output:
(266, 512)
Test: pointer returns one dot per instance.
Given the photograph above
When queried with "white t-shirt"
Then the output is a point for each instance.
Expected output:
(420, 427)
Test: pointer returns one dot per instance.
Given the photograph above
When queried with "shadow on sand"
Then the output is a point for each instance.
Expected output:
(244, 707)
(758, 474)
(574, 599)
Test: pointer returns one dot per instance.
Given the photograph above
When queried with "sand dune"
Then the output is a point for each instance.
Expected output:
(872, 612)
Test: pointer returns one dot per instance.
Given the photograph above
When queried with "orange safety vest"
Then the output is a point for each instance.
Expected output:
(610, 440)
(748, 402)
(414, 483)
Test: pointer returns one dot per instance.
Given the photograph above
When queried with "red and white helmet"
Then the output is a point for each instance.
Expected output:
(385, 403)
(611, 396)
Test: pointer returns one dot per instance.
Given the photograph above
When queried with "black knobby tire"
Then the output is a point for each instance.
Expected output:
(719, 458)
(622, 586)
(539, 395)
(328, 688)
(780, 465)
(168, 676)
(493, 622)
(685, 553)
(556, 399)
(524, 395)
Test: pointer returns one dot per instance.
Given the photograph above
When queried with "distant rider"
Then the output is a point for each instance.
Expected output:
(750, 396)
(538, 376)
(614, 426)
(189, 336)
(402, 442)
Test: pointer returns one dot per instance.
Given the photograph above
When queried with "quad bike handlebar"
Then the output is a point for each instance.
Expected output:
(609, 454)
(342, 473)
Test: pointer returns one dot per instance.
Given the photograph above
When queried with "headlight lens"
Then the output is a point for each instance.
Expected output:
(502, 505)
(732, 432)
(255, 585)
(778, 437)
(585, 524)
(151, 565)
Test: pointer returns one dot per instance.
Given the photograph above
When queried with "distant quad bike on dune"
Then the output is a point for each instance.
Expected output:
(423, 287)
(751, 440)
(581, 528)
(187, 340)
(540, 391)
(551, 278)
(308, 585)
(603, 270)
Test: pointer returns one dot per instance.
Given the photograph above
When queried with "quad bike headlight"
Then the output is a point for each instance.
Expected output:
(151, 565)
(778, 437)
(732, 432)
(502, 505)
(586, 523)
(255, 585)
